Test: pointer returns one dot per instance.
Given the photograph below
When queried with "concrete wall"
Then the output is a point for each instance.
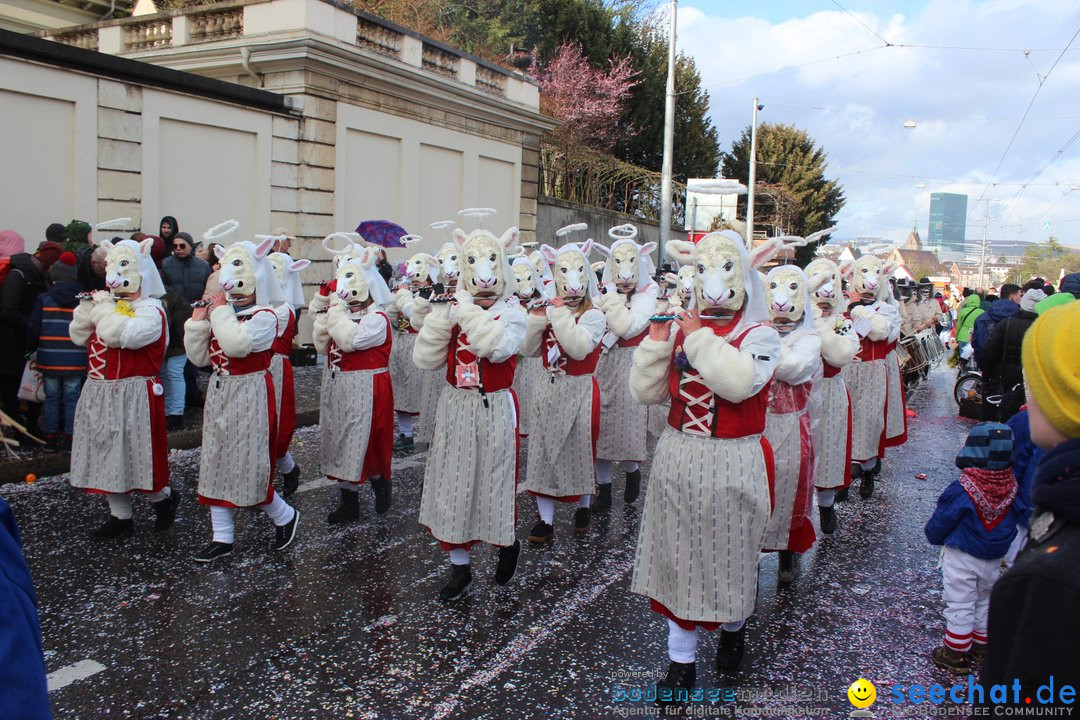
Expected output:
(553, 214)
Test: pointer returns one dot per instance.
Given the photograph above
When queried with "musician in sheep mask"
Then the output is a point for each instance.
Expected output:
(475, 342)
(287, 272)
(531, 288)
(119, 444)
(235, 335)
(830, 404)
(356, 402)
(629, 301)
(876, 321)
(565, 418)
(416, 392)
(708, 502)
(787, 425)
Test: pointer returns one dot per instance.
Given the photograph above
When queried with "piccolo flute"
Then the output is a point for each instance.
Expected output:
(202, 303)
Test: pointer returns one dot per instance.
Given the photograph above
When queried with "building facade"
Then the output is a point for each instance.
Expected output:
(948, 222)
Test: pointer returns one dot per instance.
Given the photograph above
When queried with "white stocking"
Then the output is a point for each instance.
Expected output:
(681, 644)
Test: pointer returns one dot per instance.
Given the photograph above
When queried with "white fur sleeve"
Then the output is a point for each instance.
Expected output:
(489, 338)
(119, 330)
(734, 374)
(577, 337)
(347, 333)
(433, 341)
(837, 350)
(320, 337)
(535, 325)
(628, 322)
(81, 327)
(801, 360)
(421, 308)
(197, 341)
(884, 322)
(240, 339)
(405, 303)
(318, 303)
(649, 372)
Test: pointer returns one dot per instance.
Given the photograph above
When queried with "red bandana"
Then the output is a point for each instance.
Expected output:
(991, 491)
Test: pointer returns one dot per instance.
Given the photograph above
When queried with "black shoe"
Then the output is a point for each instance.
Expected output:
(286, 533)
(828, 519)
(602, 500)
(195, 401)
(348, 510)
(730, 651)
(382, 489)
(290, 481)
(403, 443)
(581, 520)
(679, 675)
(507, 567)
(165, 511)
(633, 486)
(52, 443)
(458, 585)
(174, 422)
(114, 527)
(785, 572)
(866, 487)
(213, 551)
(541, 533)
(841, 495)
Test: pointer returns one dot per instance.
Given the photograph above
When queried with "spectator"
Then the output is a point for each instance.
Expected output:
(62, 363)
(77, 236)
(177, 310)
(383, 266)
(57, 233)
(25, 281)
(283, 246)
(213, 287)
(1006, 307)
(1068, 291)
(1034, 627)
(167, 231)
(966, 316)
(91, 268)
(1001, 364)
(183, 271)
(1025, 461)
(199, 250)
(11, 243)
(23, 689)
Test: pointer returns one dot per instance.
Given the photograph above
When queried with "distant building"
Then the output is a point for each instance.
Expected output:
(948, 222)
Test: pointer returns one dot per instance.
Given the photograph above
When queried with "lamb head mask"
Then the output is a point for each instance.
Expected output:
(629, 265)
(130, 269)
(288, 275)
(449, 264)
(574, 278)
(528, 280)
(869, 277)
(725, 274)
(787, 293)
(422, 268)
(830, 286)
(246, 271)
(356, 277)
(485, 269)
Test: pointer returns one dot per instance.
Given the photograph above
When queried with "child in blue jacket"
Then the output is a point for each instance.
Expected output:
(976, 520)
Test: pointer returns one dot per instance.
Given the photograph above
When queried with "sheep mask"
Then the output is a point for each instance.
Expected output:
(130, 269)
(829, 296)
(356, 277)
(422, 269)
(485, 267)
(246, 271)
(725, 273)
(287, 271)
(787, 294)
(574, 277)
(529, 283)
(629, 265)
(449, 265)
(869, 278)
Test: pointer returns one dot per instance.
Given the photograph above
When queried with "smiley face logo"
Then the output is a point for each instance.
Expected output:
(862, 693)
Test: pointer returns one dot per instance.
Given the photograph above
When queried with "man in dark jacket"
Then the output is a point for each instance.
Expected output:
(23, 689)
(1035, 607)
(25, 281)
(1006, 307)
(183, 271)
(91, 267)
(1001, 364)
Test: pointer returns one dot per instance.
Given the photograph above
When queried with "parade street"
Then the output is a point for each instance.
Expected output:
(347, 623)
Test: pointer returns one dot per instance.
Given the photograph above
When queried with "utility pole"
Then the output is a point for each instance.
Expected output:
(752, 179)
(669, 141)
(982, 255)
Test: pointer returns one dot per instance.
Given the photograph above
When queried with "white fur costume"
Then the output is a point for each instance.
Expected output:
(470, 479)
(530, 370)
(707, 502)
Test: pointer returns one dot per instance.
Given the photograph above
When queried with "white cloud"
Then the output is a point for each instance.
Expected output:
(967, 104)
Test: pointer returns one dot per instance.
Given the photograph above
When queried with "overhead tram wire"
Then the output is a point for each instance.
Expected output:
(1061, 151)
(856, 19)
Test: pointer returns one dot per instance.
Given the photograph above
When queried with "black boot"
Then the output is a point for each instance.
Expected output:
(165, 511)
(866, 487)
(508, 560)
(828, 519)
(633, 486)
(381, 487)
(213, 551)
(174, 422)
(403, 443)
(679, 675)
(730, 651)
(348, 510)
(785, 572)
(114, 527)
(581, 520)
(841, 495)
(458, 585)
(602, 500)
(541, 533)
(290, 481)
(285, 534)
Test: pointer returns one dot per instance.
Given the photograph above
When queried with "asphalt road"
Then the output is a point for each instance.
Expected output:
(347, 623)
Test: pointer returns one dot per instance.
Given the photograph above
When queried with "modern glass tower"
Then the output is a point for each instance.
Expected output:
(948, 221)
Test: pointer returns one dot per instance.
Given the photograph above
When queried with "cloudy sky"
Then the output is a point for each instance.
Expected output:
(967, 83)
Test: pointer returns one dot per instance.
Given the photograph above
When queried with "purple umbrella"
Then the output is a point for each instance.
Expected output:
(382, 233)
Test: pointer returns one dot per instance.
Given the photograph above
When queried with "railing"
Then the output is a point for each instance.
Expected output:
(220, 25)
(438, 60)
(583, 176)
(377, 38)
(148, 35)
(85, 39)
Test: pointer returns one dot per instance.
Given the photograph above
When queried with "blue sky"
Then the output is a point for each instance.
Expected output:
(967, 103)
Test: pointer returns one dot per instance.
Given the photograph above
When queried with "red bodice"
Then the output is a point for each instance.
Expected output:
(283, 342)
(107, 363)
(253, 362)
(374, 358)
(567, 365)
(493, 376)
(785, 398)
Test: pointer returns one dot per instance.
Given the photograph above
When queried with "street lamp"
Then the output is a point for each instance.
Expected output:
(753, 177)
(669, 141)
